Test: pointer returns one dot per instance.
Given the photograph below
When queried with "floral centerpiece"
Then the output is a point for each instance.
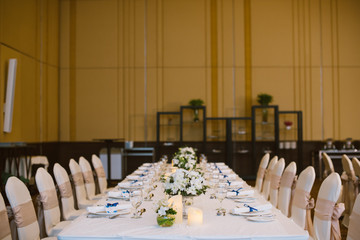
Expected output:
(165, 213)
(185, 158)
(185, 183)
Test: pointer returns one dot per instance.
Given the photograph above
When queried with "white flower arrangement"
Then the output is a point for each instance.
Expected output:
(185, 158)
(186, 183)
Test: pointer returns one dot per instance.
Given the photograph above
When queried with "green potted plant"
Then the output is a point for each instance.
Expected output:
(196, 103)
(264, 99)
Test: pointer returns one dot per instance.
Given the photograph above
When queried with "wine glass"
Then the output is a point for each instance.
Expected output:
(146, 193)
(136, 199)
(220, 195)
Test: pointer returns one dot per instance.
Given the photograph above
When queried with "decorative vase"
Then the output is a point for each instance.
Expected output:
(265, 115)
(165, 221)
(186, 201)
(196, 115)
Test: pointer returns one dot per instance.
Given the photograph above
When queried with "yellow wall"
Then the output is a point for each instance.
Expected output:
(29, 32)
(193, 48)
(279, 48)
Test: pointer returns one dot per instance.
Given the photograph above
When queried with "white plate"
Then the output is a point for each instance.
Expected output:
(255, 213)
(240, 196)
(246, 200)
(120, 212)
(260, 219)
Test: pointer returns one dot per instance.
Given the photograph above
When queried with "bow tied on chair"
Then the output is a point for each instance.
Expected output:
(330, 211)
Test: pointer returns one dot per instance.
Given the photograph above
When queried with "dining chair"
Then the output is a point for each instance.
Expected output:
(23, 209)
(327, 211)
(328, 164)
(266, 185)
(354, 230)
(80, 191)
(275, 181)
(49, 202)
(348, 180)
(100, 173)
(66, 194)
(261, 171)
(287, 187)
(302, 202)
(356, 166)
(5, 232)
(89, 179)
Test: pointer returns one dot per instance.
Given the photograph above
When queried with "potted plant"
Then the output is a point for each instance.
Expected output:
(196, 103)
(264, 99)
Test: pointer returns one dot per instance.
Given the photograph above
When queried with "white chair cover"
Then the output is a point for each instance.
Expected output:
(356, 166)
(50, 203)
(275, 181)
(354, 228)
(78, 180)
(327, 211)
(5, 232)
(67, 199)
(23, 208)
(348, 179)
(328, 164)
(266, 185)
(302, 203)
(88, 179)
(287, 187)
(99, 169)
(261, 171)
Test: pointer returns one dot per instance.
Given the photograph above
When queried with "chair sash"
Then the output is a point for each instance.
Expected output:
(49, 199)
(65, 190)
(78, 179)
(354, 232)
(24, 214)
(88, 177)
(303, 200)
(348, 178)
(100, 172)
(330, 211)
(275, 181)
(4, 224)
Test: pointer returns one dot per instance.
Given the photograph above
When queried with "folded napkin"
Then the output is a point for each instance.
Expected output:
(222, 167)
(134, 183)
(138, 172)
(136, 177)
(239, 192)
(108, 208)
(147, 164)
(231, 176)
(234, 184)
(249, 208)
(223, 171)
(122, 194)
(219, 163)
(143, 168)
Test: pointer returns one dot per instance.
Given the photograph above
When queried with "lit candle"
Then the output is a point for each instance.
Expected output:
(195, 216)
(176, 202)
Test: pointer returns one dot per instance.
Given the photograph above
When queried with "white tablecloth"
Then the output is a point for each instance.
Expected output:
(214, 227)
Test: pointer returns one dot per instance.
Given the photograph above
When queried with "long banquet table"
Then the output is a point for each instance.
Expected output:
(214, 227)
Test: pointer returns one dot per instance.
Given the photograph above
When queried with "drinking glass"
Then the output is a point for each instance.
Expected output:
(136, 199)
(220, 195)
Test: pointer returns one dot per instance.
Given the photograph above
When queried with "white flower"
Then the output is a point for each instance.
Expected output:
(162, 210)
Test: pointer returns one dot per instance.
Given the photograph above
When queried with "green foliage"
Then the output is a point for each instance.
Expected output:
(264, 98)
(196, 102)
